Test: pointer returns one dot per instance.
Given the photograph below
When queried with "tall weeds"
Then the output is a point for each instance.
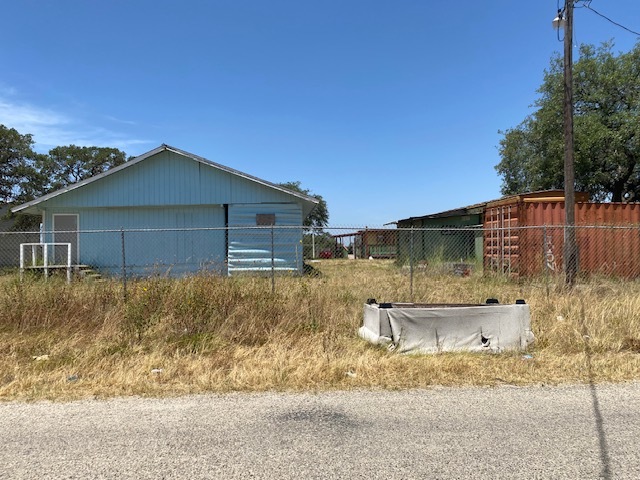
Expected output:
(208, 333)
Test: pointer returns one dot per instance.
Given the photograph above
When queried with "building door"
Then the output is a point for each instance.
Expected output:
(65, 230)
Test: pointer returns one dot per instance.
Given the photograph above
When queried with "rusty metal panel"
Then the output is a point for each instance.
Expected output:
(513, 245)
(609, 251)
(540, 196)
(587, 213)
(608, 214)
(543, 213)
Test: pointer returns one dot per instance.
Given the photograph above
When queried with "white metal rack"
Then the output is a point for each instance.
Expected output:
(46, 266)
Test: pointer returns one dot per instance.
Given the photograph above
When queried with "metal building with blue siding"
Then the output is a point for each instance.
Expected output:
(203, 216)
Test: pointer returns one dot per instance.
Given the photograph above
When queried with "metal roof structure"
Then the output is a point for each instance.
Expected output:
(479, 207)
(164, 147)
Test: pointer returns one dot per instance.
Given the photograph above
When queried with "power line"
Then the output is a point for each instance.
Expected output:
(587, 5)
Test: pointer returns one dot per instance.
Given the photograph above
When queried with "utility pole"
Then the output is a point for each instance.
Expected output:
(570, 246)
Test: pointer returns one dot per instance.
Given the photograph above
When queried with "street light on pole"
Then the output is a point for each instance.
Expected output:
(570, 255)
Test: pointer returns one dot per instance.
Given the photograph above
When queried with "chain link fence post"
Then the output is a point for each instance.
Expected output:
(411, 265)
(124, 266)
(273, 262)
(545, 259)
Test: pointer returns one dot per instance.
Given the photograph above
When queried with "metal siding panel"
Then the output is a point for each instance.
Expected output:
(244, 191)
(609, 251)
(148, 183)
(214, 185)
(544, 213)
(165, 251)
(103, 250)
(183, 250)
(601, 250)
(168, 178)
(162, 171)
(587, 213)
(431, 243)
(250, 248)
(164, 179)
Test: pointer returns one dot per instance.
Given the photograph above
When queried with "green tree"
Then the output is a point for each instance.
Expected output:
(70, 164)
(606, 129)
(25, 174)
(17, 160)
(319, 216)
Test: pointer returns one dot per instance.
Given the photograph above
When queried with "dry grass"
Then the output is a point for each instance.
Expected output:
(210, 334)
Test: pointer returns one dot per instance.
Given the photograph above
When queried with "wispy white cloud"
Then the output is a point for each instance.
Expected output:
(119, 120)
(51, 128)
(7, 90)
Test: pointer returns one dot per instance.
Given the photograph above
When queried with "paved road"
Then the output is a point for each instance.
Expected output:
(507, 432)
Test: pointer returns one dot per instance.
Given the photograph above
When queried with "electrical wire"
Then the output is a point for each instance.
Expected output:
(584, 3)
(587, 5)
(560, 14)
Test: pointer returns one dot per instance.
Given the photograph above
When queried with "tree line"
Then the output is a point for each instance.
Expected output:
(606, 129)
(26, 174)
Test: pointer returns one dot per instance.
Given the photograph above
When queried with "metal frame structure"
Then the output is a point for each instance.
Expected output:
(45, 258)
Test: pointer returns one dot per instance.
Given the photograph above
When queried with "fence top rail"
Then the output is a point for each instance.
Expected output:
(559, 227)
(41, 244)
(328, 230)
(170, 229)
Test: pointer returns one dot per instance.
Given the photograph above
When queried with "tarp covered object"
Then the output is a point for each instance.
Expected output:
(413, 328)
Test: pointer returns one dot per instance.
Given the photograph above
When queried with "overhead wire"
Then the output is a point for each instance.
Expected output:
(560, 14)
(587, 4)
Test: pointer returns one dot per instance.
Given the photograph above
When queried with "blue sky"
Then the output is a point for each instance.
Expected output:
(386, 109)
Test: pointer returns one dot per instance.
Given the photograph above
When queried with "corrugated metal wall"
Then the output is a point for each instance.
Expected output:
(602, 250)
(443, 238)
(173, 245)
(587, 213)
(252, 248)
(520, 251)
(168, 178)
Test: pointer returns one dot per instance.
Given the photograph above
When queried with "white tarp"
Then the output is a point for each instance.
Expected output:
(411, 328)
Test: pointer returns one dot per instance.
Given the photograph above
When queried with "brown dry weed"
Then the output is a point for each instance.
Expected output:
(213, 334)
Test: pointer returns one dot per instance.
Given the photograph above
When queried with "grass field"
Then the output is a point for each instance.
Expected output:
(212, 334)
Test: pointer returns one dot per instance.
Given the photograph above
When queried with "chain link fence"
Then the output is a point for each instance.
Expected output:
(517, 253)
